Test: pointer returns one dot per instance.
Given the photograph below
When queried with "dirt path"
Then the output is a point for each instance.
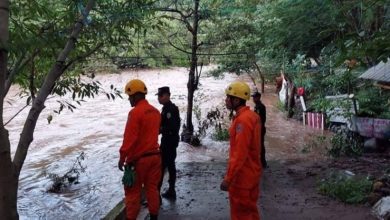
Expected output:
(289, 192)
(288, 139)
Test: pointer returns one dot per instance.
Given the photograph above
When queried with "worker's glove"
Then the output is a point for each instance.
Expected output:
(224, 185)
(128, 179)
(121, 164)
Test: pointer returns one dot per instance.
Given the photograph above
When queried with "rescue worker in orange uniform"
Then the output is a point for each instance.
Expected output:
(242, 179)
(140, 150)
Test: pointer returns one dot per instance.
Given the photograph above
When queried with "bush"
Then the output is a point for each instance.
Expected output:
(216, 118)
(221, 135)
(346, 143)
(347, 189)
(61, 182)
(316, 142)
(374, 103)
(217, 73)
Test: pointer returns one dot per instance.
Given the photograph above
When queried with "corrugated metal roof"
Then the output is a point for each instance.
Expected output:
(380, 72)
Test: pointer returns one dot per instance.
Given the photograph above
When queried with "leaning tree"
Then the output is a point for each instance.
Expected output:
(42, 44)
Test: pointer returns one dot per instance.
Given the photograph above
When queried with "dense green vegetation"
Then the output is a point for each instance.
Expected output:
(292, 35)
(312, 42)
(40, 29)
(323, 46)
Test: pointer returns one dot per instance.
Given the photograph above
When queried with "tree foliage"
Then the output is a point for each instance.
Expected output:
(323, 46)
(48, 41)
(39, 30)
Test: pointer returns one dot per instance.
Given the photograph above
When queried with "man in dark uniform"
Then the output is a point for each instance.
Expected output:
(261, 111)
(170, 126)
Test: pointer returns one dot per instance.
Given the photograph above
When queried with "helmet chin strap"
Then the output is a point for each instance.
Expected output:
(231, 114)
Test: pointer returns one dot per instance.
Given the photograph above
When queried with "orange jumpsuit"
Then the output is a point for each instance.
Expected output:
(141, 139)
(244, 169)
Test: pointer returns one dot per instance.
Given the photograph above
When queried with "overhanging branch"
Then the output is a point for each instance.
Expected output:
(174, 10)
(181, 19)
(17, 113)
(26, 137)
(203, 54)
(177, 48)
(19, 65)
(83, 56)
(206, 54)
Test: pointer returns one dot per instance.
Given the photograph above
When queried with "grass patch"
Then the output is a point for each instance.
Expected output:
(346, 144)
(317, 142)
(345, 188)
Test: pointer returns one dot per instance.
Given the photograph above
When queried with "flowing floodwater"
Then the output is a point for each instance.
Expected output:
(96, 128)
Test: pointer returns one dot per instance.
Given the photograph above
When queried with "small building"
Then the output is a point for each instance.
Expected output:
(379, 73)
(375, 127)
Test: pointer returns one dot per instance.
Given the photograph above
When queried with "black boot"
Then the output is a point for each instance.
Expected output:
(151, 217)
(170, 194)
(264, 164)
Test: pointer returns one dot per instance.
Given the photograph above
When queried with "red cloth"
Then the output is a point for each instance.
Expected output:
(301, 91)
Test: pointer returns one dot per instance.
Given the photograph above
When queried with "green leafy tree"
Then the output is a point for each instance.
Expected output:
(235, 38)
(48, 41)
(340, 38)
(189, 14)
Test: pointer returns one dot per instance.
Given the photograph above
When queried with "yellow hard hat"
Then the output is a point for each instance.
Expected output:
(134, 86)
(239, 89)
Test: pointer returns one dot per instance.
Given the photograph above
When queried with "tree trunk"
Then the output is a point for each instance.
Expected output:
(262, 83)
(4, 36)
(191, 85)
(8, 179)
(261, 77)
(56, 71)
(290, 99)
(10, 170)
